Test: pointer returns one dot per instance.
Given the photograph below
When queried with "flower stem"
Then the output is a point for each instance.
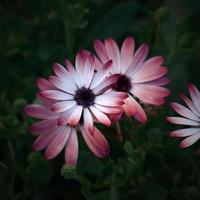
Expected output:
(119, 133)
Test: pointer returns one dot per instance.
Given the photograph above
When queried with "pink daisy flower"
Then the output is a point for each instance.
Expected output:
(54, 138)
(190, 117)
(141, 79)
(81, 95)
(72, 100)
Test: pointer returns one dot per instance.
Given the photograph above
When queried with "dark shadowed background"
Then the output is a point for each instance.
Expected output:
(148, 165)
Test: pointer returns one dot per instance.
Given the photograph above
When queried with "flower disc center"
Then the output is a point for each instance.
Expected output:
(85, 97)
(123, 84)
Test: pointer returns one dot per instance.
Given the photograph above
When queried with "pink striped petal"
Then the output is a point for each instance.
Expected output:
(62, 73)
(100, 50)
(101, 74)
(195, 96)
(115, 117)
(159, 82)
(64, 117)
(57, 95)
(88, 70)
(67, 85)
(155, 61)
(140, 115)
(80, 60)
(71, 150)
(100, 116)
(150, 94)
(190, 104)
(75, 116)
(129, 106)
(97, 64)
(43, 84)
(145, 75)
(62, 106)
(184, 132)
(113, 53)
(108, 110)
(39, 111)
(138, 58)
(103, 100)
(127, 51)
(43, 125)
(45, 139)
(189, 140)
(57, 144)
(106, 84)
(183, 111)
(96, 142)
(88, 120)
(182, 121)
(69, 65)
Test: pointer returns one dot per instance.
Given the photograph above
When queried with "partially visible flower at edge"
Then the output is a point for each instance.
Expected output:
(141, 80)
(190, 116)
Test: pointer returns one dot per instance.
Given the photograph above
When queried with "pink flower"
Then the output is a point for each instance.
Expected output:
(72, 100)
(54, 138)
(81, 95)
(190, 117)
(141, 80)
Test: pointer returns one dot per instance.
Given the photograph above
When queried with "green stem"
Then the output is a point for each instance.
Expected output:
(119, 133)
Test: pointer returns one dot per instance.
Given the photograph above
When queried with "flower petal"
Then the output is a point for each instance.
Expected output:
(39, 111)
(129, 106)
(67, 85)
(183, 111)
(57, 144)
(43, 84)
(63, 106)
(190, 104)
(64, 117)
(127, 51)
(71, 150)
(100, 116)
(182, 121)
(106, 84)
(137, 60)
(43, 125)
(150, 94)
(140, 115)
(75, 116)
(57, 95)
(100, 50)
(44, 140)
(96, 142)
(195, 96)
(101, 74)
(113, 53)
(189, 140)
(88, 120)
(184, 132)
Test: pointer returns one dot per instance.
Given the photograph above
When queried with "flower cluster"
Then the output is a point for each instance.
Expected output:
(98, 89)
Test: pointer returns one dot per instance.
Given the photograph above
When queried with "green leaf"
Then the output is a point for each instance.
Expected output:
(69, 172)
(39, 169)
(128, 147)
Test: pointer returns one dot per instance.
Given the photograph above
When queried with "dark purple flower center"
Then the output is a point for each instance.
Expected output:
(84, 97)
(123, 84)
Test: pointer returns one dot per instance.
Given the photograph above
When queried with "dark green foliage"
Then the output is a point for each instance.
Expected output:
(148, 165)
